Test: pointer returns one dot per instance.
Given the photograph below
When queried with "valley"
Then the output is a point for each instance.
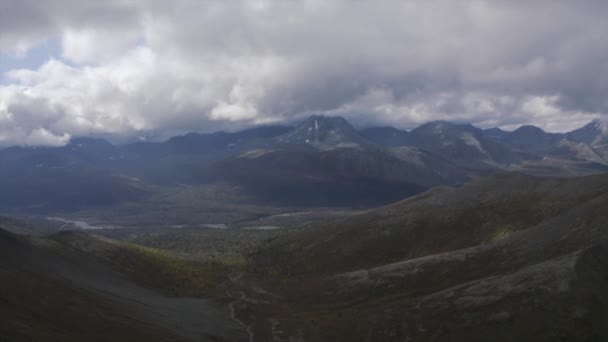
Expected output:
(319, 165)
(488, 257)
(316, 233)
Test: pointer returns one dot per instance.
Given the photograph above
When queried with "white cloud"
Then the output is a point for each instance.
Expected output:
(94, 45)
(132, 67)
(42, 137)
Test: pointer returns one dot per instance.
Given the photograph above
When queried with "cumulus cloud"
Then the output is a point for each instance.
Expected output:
(134, 67)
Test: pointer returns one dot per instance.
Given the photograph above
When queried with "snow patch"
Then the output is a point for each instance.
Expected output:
(470, 140)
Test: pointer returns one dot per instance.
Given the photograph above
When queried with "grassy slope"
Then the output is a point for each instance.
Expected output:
(512, 257)
(441, 220)
(150, 267)
(72, 286)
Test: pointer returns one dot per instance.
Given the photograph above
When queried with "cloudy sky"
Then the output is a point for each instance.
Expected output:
(154, 68)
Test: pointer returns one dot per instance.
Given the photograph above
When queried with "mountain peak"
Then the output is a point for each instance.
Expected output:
(327, 121)
(596, 129)
(530, 134)
(441, 126)
(325, 132)
(599, 124)
(529, 129)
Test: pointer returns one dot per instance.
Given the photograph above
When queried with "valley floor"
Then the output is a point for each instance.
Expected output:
(514, 257)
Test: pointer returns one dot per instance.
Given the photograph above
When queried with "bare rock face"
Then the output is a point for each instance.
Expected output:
(325, 133)
(463, 144)
(594, 134)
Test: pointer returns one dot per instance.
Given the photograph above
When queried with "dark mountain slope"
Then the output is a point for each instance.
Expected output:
(513, 257)
(341, 176)
(385, 136)
(90, 172)
(532, 139)
(47, 178)
(443, 219)
(464, 145)
(196, 143)
(336, 177)
(496, 133)
(74, 287)
(184, 159)
(561, 298)
(325, 161)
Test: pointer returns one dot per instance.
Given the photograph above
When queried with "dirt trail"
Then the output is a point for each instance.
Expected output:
(262, 324)
(243, 298)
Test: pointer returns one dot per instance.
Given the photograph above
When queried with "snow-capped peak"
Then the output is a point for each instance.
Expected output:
(600, 124)
(324, 132)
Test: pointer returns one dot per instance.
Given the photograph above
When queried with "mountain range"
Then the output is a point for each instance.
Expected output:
(322, 161)
(448, 244)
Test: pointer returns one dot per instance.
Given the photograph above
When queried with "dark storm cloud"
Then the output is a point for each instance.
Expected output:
(133, 67)
(24, 23)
